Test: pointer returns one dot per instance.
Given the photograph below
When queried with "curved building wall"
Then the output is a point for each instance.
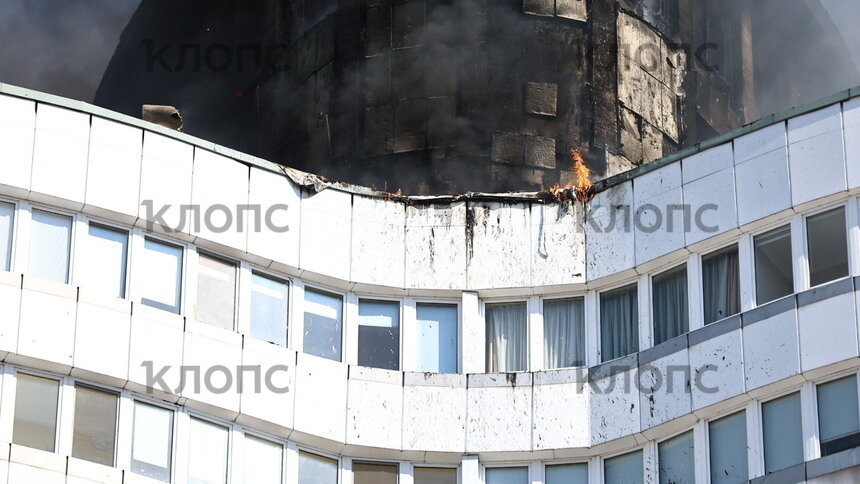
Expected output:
(103, 170)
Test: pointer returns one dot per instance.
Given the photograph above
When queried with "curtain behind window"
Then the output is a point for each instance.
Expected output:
(564, 333)
(721, 289)
(619, 323)
(506, 338)
(671, 316)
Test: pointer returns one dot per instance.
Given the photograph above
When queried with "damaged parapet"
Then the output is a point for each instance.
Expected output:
(167, 116)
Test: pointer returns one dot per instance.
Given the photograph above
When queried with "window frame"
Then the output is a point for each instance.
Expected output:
(426, 465)
(359, 297)
(692, 430)
(344, 316)
(734, 410)
(253, 269)
(506, 465)
(668, 270)
(61, 383)
(582, 296)
(632, 284)
(639, 448)
(562, 462)
(715, 250)
(246, 432)
(183, 280)
(372, 461)
(775, 225)
(229, 427)
(73, 235)
(502, 301)
(759, 403)
(117, 427)
(814, 400)
(16, 225)
(236, 284)
(458, 303)
(322, 454)
(807, 268)
(129, 251)
(174, 427)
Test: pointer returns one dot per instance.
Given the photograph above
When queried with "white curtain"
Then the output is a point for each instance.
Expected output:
(506, 338)
(671, 317)
(619, 323)
(564, 333)
(720, 285)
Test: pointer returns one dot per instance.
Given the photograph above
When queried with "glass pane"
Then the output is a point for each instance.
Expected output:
(619, 323)
(728, 449)
(263, 461)
(676, 459)
(50, 243)
(721, 288)
(838, 422)
(436, 338)
(7, 219)
(627, 468)
(379, 334)
(315, 469)
(508, 475)
(431, 475)
(567, 474)
(323, 324)
(773, 277)
(828, 246)
(216, 292)
(269, 309)
(507, 338)
(106, 256)
(564, 333)
(369, 473)
(36, 412)
(161, 276)
(152, 441)
(669, 294)
(207, 457)
(783, 440)
(95, 426)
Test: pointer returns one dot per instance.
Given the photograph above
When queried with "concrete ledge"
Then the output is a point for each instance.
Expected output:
(826, 291)
(713, 330)
(786, 476)
(768, 310)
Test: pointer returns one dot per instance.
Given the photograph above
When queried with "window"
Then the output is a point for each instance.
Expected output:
(676, 459)
(207, 456)
(152, 441)
(7, 222)
(379, 334)
(94, 437)
(36, 401)
(619, 323)
(507, 338)
(263, 461)
(374, 473)
(627, 468)
(106, 260)
(838, 420)
(720, 284)
(437, 338)
(161, 275)
(564, 333)
(323, 324)
(669, 300)
(269, 309)
(783, 440)
(216, 292)
(567, 474)
(728, 449)
(507, 475)
(314, 469)
(773, 277)
(827, 242)
(435, 475)
(50, 246)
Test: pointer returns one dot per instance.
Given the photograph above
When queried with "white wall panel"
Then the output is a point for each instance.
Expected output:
(609, 251)
(724, 354)
(561, 415)
(10, 305)
(817, 167)
(220, 182)
(828, 331)
(326, 230)
(374, 408)
(499, 417)
(211, 350)
(436, 246)
(665, 392)
(707, 162)
(762, 186)
(267, 190)
(102, 337)
(321, 397)
(425, 427)
(614, 407)
(60, 156)
(113, 171)
(557, 244)
(156, 337)
(165, 177)
(716, 193)
(499, 246)
(378, 241)
(267, 405)
(851, 120)
(47, 328)
(17, 132)
(771, 350)
(760, 142)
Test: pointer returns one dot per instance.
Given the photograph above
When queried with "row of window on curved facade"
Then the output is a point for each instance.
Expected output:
(424, 335)
(167, 443)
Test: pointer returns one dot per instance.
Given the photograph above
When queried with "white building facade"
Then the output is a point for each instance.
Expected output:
(174, 311)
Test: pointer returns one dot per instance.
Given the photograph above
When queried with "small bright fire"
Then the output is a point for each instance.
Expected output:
(581, 188)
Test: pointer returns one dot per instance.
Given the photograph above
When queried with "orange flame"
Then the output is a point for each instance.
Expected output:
(581, 188)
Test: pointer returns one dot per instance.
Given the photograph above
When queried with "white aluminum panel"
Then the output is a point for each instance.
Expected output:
(663, 230)
(101, 342)
(220, 182)
(326, 229)
(47, 328)
(499, 247)
(718, 363)
(436, 246)
(156, 339)
(817, 167)
(113, 173)
(10, 304)
(762, 186)
(434, 419)
(828, 332)
(267, 405)
(374, 413)
(561, 416)
(760, 142)
(269, 190)
(851, 118)
(614, 407)
(321, 398)
(609, 249)
(378, 241)
(17, 132)
(499, 418)
(165, 178)
(558, 244)
(714, 196)
(657, 182)
(707, 162)
(815, 123)
(211, 349)
(664, 393)
(771, 350)
(60, 153)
